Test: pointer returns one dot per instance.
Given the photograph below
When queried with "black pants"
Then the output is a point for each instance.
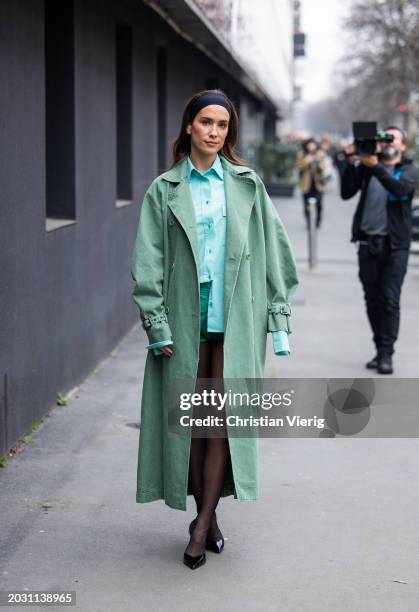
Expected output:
(382, 278)
(313, 193)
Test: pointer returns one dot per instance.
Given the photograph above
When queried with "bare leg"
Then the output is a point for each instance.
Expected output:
(214, 469)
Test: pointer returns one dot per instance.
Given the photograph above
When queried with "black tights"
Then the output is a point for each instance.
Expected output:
(209, 457)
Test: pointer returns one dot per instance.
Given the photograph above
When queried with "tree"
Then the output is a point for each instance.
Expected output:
(380, 71)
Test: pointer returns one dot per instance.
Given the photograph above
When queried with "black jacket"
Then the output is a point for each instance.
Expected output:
(399, 204)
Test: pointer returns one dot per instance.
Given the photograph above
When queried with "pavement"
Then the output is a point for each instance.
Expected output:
(335, 527)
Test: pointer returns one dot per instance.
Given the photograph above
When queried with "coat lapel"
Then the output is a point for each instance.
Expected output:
(240, 190)
(181, 204)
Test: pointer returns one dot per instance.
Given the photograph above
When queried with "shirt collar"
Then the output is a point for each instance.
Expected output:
(216, 167)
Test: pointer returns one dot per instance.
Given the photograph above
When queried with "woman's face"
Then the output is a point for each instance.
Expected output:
(209, 129)
(311, 147)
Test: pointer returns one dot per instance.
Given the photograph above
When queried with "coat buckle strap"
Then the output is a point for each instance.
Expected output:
(284, 309)
(152, 320)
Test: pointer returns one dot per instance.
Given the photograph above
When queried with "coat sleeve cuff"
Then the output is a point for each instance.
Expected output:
(280, 343)
(279, 317)
(157, 328)
(157, 345)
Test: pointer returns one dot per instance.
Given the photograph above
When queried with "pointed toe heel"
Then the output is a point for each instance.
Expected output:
(194, 562)
(215, 546)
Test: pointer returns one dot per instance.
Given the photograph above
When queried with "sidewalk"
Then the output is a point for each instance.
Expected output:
(336, 524)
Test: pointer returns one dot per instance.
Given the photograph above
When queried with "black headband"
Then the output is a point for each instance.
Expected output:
(205, 100)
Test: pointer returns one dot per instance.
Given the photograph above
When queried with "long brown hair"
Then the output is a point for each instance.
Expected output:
(181, 146)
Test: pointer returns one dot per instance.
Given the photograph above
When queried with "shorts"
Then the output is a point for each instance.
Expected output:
(205, 335)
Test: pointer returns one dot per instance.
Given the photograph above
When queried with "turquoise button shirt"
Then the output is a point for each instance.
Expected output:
(208, 195)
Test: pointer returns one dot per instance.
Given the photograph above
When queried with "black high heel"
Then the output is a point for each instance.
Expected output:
(194, 561)
(215, 546)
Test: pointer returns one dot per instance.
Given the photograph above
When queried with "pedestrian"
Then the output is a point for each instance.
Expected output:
(382, 226)
(214, 273)
(311, 165)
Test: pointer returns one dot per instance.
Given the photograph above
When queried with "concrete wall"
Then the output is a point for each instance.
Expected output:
(65, 297)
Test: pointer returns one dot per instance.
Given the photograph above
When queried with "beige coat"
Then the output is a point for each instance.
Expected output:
(311, 167)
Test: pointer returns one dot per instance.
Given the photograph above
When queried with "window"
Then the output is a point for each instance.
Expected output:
(124, 114)
(59, 114)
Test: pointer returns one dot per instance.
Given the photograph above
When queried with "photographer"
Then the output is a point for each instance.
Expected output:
(382, 227)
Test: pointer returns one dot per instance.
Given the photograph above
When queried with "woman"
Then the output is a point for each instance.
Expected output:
(213, 272)
(311, 163)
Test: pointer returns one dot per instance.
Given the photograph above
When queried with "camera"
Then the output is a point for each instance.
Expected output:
(366, 137)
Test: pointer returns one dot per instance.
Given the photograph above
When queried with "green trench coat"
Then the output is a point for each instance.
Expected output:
(260, 278)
